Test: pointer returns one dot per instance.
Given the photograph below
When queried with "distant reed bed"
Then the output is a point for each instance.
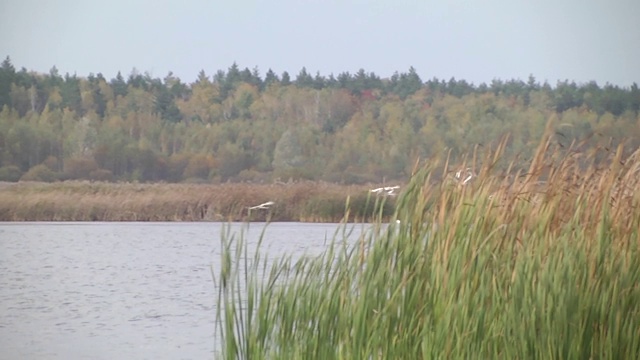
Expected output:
(508, 267)
(101, 201)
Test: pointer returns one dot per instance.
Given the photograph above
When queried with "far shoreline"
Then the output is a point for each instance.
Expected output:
(85, 201)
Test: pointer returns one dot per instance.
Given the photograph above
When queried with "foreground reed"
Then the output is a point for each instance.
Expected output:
(510, 269)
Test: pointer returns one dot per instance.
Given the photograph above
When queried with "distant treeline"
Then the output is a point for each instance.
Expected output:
(238, 125)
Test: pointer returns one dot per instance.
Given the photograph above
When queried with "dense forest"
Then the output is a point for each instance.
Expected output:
(240, 126)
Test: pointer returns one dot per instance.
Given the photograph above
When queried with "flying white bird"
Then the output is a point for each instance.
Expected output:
(469, 175)
(391, 190)
(264, 206)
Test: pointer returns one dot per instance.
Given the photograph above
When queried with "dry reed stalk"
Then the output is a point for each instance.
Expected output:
(556, 184)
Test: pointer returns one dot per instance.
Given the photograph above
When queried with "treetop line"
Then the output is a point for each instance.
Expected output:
(240, 126)
(569, 93)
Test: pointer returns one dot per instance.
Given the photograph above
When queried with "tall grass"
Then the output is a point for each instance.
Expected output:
(509, 267)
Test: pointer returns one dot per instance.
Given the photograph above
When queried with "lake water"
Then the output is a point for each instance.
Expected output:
(123, 290)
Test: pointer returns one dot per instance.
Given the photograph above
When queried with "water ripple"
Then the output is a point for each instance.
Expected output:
(120, 290)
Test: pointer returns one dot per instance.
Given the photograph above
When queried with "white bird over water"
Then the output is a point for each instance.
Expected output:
(263, 206)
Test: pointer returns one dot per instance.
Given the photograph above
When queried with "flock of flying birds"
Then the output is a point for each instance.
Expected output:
(387, 190)
(463, 177)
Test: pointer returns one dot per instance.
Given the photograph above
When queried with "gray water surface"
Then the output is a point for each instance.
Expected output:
(123, 290)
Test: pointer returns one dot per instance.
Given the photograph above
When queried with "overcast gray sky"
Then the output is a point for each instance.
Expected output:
(472, 40)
